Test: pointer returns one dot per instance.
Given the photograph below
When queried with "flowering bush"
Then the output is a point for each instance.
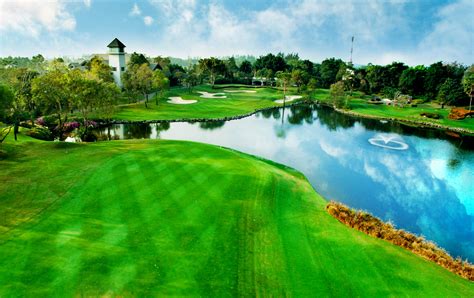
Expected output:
(90, 123)
(70, 126)
(40, 121)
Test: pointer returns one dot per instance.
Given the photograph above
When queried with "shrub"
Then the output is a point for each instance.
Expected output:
(41, 133)
(375, 227)
(40, 121)
(70, 126)
(431, 115)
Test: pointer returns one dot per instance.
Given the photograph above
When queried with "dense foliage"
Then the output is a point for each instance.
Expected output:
(41, 87)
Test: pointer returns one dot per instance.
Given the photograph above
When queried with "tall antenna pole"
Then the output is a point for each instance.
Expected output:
(352, 48)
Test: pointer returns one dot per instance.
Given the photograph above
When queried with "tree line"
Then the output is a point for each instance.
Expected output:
(30, 88)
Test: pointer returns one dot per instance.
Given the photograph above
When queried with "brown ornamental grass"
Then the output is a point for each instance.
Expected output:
(375, 227)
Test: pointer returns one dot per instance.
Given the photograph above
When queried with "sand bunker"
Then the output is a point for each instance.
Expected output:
(179, 101)
(240, 91)
(212, 95)
(289, 98)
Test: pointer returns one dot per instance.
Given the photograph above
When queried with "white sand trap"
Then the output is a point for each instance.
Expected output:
(179, 101)
(289, 98)
(212, 95)
(240, 91)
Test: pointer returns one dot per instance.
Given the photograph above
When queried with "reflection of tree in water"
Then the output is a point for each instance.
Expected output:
(164, 126)
(276, 114)
(332, 119)
(300, 114)
(266, 113)
(211, 125)
(137, 131)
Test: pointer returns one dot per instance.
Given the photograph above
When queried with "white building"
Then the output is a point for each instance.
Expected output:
(117, 60)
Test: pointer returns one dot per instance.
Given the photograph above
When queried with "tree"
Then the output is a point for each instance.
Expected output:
(163, 62)
(140, 79)
(436, 74)
(374, 78)
(160, 82)
(468, 84)
(37, 59)
(347, 76)
(107, 99)
(246, 68)
(83, 92)
(412, 80)
(138, 59)
(269, 75)
(328, 71)
(284, 79)
(338, 95)
(297, 76)
(100, 70)
(22, 106)
(6, 103)
(312, 84)
(451, 92)
(51, 92)
(270, 61)
(213, 67)
(231, 68)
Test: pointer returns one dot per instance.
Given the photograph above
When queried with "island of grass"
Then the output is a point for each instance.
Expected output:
(170, 218)
(237, 104)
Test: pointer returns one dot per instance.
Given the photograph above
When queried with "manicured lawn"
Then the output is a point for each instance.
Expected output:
(168, 218)
(235, 104)
(243, 103)
(360, 106)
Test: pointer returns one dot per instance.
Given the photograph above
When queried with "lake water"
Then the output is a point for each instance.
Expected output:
(420, 180)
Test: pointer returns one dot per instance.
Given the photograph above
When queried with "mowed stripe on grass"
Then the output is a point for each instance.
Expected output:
(147, 218)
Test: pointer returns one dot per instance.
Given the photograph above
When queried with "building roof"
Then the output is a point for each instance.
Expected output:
(116, 44)
(155, 66)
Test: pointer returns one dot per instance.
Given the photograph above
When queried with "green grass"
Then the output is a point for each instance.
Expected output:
(159, 218)
(243, 103)
(236, 104)
(359, 105)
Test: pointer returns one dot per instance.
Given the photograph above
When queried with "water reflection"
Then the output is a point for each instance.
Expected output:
(426, 189)
(211, 125)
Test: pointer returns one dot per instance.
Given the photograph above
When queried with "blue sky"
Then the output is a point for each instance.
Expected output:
(415, 32)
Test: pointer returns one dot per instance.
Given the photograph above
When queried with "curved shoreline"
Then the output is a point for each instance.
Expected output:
(412, 123)
(228, 118)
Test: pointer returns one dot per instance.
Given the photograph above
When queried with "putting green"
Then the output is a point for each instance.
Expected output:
(153, 218)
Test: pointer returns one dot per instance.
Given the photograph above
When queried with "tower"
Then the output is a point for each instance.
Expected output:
(117, 60)
(352, 49)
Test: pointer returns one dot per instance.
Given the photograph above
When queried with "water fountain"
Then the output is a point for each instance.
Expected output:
(393, 142)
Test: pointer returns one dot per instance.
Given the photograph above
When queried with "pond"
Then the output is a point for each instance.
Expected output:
(420, 180)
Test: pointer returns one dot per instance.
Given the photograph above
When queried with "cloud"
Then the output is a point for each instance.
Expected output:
(87, 3)
(148, 20)
(135, 10)
(385, 31)
(32, 17)
(217, 30)
(452, 35)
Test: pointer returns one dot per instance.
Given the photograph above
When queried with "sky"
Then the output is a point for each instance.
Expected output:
(414, 32)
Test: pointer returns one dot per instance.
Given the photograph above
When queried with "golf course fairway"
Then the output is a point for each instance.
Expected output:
(168, 218)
